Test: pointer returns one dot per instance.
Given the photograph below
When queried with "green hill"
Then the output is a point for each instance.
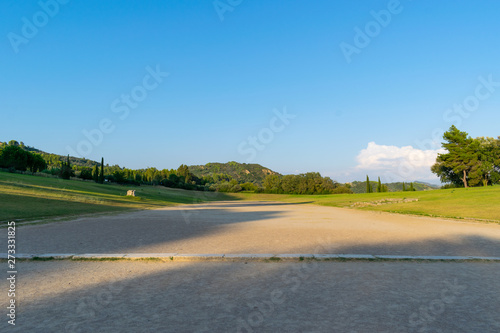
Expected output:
(242, 172)
(218, 172)
(53, 160)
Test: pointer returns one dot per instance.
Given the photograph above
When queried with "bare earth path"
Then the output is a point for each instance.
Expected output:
(261, 227)
(352, 297)
(287, 296)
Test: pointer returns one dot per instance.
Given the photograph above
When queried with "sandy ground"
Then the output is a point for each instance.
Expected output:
(260, 227)
(67, 296)
(309, 296)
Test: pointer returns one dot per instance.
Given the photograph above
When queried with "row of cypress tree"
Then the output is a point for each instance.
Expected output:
(383, 188)
(67, 171)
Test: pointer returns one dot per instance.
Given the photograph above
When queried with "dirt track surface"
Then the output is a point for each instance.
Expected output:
(260, 227)
(218, 296)
(352, 297)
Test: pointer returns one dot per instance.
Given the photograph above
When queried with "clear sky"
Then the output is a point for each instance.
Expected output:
(346, 88)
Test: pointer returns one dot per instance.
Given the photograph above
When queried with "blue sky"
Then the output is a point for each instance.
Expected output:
(234, 66)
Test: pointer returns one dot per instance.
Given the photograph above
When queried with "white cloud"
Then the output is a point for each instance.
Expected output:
(397, 163)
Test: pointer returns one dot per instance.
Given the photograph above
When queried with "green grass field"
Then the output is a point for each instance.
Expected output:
(25, 198)
(473, 203)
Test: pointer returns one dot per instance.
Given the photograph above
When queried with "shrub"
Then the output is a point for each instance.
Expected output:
(341, 190)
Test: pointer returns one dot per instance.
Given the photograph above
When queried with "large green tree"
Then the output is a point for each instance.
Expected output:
(468, 161)
(183, 171)
(86, 173)
(36, 162)
(487, 171)
(460, 159)
(306, 183)
(15, 157)
(272, 184)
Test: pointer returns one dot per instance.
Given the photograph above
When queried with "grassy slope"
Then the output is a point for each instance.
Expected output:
(475, 203)
(24, 197)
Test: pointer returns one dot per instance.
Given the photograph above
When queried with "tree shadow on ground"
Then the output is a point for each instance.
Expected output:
(175, 229)
(258, 297)
(114, 234)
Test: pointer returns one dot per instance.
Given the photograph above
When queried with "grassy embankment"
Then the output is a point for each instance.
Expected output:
(24, 197)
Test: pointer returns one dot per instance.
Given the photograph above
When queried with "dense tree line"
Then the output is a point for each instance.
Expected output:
(468, 161)
(17, 156)
(20, 157)
(14, 157)
(307, 183)
(175, 178)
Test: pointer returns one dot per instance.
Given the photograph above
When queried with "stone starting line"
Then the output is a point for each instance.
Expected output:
(237, 257)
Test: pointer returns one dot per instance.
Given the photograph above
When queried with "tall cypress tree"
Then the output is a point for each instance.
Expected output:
(379, 186)
(95, 175)
(368, 185)
(411, 187)
(404, 187)
(66, 170)
(101, 175)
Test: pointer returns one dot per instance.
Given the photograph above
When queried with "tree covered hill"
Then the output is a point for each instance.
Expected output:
(242, 172)
(53, 160)
(230, 174)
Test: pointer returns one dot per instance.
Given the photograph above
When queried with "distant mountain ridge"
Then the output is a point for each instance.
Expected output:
(242, 172)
